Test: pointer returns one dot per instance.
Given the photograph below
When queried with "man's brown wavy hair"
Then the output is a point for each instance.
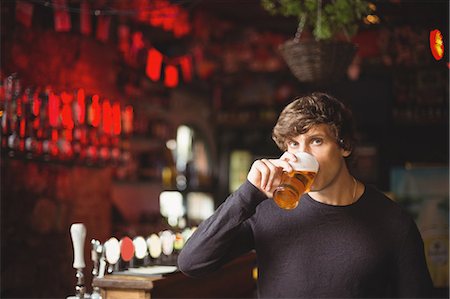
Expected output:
(314, 109)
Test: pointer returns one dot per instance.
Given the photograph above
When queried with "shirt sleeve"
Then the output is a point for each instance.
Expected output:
(413, 277)
(223, 236)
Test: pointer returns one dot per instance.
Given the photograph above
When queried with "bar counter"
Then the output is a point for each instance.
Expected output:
(234, 280)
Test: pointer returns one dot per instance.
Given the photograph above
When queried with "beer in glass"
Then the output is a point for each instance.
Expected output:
(295, 183)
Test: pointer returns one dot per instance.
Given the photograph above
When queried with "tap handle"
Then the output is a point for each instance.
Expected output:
(78, 234)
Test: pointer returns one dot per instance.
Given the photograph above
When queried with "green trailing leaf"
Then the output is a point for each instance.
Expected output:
(336, 16)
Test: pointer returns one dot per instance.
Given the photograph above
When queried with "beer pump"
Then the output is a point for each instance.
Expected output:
(96, 256)
(78, 234)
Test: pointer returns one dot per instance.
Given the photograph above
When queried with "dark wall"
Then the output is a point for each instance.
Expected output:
(39, 202)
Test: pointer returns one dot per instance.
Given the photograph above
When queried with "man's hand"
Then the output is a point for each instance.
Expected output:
(265, 174)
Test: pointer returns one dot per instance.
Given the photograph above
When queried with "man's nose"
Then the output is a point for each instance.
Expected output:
(303, 147)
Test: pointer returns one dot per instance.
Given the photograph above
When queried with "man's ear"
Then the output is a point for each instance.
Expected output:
(346, 153)
(344, 148)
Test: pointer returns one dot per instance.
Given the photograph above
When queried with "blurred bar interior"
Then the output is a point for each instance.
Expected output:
(138, 118)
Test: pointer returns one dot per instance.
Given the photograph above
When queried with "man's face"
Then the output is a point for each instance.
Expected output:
(320, 141)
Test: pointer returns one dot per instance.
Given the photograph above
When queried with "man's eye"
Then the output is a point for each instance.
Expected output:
(316, 141)
(292, 144)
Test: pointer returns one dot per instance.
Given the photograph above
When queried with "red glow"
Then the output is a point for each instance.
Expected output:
(137, 40)
(22, 127)
(171, 17)
(186, 68)
(171, 76)
(61, 16)
(24, 13)
(54, 135)
(128, 120)
(107, 117)
(182, 25)
(66, 98)
(95, 111)
(80, 107)
(68, 135)
(66, 113)
(53, 109)
(36, 105)
(36, 123)
(436, 44)
(19, 108)
(123, 33)
(170, 13)
(116, 119)
(154, 62)
(85, 18)
(53, 146)
(103, 24)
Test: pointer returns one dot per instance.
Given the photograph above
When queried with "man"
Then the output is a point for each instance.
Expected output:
(344, 239)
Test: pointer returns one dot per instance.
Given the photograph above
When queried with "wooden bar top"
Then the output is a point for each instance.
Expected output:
(234, 280)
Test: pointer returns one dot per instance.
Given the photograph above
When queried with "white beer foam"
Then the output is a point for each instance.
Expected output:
(305, 162)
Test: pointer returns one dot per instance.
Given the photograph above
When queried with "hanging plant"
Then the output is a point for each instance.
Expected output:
(326, 57)
(325, 18)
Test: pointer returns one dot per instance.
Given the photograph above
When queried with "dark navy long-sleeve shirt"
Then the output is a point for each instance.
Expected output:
(371, 248)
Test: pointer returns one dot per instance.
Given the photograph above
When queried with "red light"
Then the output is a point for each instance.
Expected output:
(22, 127)
(166, 15)
(95, 111)
(137, 40)
(66, 112)
(69, 135)
(171, 76)
(19, 108)
(54, 135)
(186, 68)
(107, 117)
(36, 105)
(66, 115)
(436, 44)
(116, 119)
(154, 62)
(128, 120)
(53, 109)
(53, 145)
(80, 107)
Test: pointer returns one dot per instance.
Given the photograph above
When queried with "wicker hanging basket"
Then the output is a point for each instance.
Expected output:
(318, 61)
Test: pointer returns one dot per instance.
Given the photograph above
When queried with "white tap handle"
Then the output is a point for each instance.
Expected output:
(78, 234)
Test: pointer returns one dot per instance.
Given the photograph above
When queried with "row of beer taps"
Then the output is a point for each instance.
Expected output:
(117, 255)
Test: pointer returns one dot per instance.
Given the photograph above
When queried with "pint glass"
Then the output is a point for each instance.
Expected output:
(295, 183)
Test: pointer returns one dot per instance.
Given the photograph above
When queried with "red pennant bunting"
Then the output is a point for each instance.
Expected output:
(61, 16)
(85, 18)
(103, 23)
(24, 13)
(171, 76)
(123, 33)
(186, 68)
(154, 63)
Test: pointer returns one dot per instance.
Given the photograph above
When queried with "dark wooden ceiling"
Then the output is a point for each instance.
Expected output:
(426, 13)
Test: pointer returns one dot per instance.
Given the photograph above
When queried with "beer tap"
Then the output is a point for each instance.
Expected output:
(140, 251)
(96, 254)
(112, 254)
(78, 234)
